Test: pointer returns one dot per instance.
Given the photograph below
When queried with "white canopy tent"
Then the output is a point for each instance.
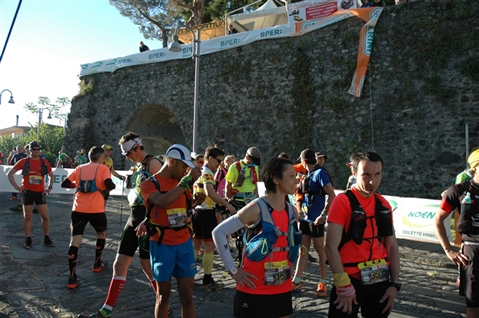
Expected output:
(266, 16)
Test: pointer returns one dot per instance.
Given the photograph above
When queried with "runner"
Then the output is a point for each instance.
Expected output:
(146, 165)
(263, 287)
(91, 180)
(171, 246)
(315, 185)
(204, 219)
(34, 170)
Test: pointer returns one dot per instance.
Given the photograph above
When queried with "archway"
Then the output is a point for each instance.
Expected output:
(158, 127)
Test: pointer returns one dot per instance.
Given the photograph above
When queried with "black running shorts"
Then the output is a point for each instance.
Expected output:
(29, 197)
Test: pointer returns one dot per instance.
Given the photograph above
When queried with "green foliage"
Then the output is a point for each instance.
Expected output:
(51, 139)
(216, 10)
(86, 88)
(55, 110)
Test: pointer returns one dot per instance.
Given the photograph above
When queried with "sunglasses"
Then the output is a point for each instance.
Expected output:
(129, 152)
(218, 160)
(34, 149)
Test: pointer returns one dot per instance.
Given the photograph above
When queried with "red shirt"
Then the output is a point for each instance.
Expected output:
(34, 181)
(340, 213)
(175, 213)
(281, 220)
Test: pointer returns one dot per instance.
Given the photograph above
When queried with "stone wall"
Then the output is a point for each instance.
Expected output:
(288, 94)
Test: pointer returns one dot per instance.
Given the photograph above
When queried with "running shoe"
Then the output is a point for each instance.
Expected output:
(28, 244)
(18, 208)
(101, 266)
(321, 290)
(48, 242)
(297, 287)
(98, 314)
(12, 198)
(213, 285)
(72, 283)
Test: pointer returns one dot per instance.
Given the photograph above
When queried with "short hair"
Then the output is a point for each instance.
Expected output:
(368, 156)
(129, 136)
(95, 153)
(274, 168)
(200, 155)
(213, 152)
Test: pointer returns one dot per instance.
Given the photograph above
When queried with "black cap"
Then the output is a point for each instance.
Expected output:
(34, 144)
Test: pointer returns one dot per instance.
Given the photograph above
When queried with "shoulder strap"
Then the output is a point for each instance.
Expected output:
(238, 166)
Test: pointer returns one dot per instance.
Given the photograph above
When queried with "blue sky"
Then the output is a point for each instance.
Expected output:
(49, 41)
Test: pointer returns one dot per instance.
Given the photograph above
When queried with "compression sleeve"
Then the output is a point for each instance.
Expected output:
(227, 227)
(109, 184)
(67, 184)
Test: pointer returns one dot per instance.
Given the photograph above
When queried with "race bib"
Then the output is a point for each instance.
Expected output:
(37, 180)
(177, 217)
(276, 273)
(373, 272)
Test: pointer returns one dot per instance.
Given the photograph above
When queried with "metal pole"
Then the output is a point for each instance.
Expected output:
(39, 123)
(10, 31)
(196, 55)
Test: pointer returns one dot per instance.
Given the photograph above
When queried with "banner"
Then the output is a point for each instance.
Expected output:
(305, 14)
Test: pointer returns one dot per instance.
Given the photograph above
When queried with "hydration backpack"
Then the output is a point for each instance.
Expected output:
(262, 244)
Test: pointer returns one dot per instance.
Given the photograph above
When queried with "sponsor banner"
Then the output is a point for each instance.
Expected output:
(366, 36)
(304, 17)
(305, 14)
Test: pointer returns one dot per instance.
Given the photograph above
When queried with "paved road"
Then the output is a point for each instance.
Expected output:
(33, 282)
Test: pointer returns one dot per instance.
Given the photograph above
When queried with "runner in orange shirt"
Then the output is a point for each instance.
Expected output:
(92, 180)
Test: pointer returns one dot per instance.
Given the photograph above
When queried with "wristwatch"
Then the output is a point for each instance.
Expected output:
(395, 285)
(50, 187)
(233, 271)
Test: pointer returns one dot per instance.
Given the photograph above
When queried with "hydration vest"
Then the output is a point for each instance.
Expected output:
(26, 168)
(468, 223)
(304, 184)
(382, 216)
(261, 245)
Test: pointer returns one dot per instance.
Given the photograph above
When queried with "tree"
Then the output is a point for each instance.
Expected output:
(53, 137)
(150, 15)
(56, 110)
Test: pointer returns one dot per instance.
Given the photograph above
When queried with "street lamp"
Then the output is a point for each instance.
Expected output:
(175, 47)
(40, 113)
(11, 101)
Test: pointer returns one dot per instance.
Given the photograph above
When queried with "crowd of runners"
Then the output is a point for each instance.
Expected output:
(185, 209)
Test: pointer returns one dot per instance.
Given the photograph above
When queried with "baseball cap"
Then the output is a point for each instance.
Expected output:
(473, 159)
(180, 152)
(319, 154)
(309, 156)
(107, 147)
(255, 155)
(34, 144)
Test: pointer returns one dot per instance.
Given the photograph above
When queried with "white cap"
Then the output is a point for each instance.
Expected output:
(180, 152)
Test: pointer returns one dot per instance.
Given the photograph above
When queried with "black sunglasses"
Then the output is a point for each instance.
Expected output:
(218, 160)
(33, 149)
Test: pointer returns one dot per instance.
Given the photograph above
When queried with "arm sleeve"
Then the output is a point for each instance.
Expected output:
(109, 184)
(227, 227)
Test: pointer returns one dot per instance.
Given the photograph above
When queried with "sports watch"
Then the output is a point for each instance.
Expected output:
(233, 271)
(395, 285)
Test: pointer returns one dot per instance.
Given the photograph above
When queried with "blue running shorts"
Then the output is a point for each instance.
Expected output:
(172, 260)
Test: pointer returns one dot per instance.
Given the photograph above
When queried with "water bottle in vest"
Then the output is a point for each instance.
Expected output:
(241, 178)
(465, 218)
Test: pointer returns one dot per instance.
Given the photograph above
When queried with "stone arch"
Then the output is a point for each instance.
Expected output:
(158, 127)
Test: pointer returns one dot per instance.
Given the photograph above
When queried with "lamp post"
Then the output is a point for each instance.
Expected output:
(175, 47)
(11, 101)
(40, 114)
